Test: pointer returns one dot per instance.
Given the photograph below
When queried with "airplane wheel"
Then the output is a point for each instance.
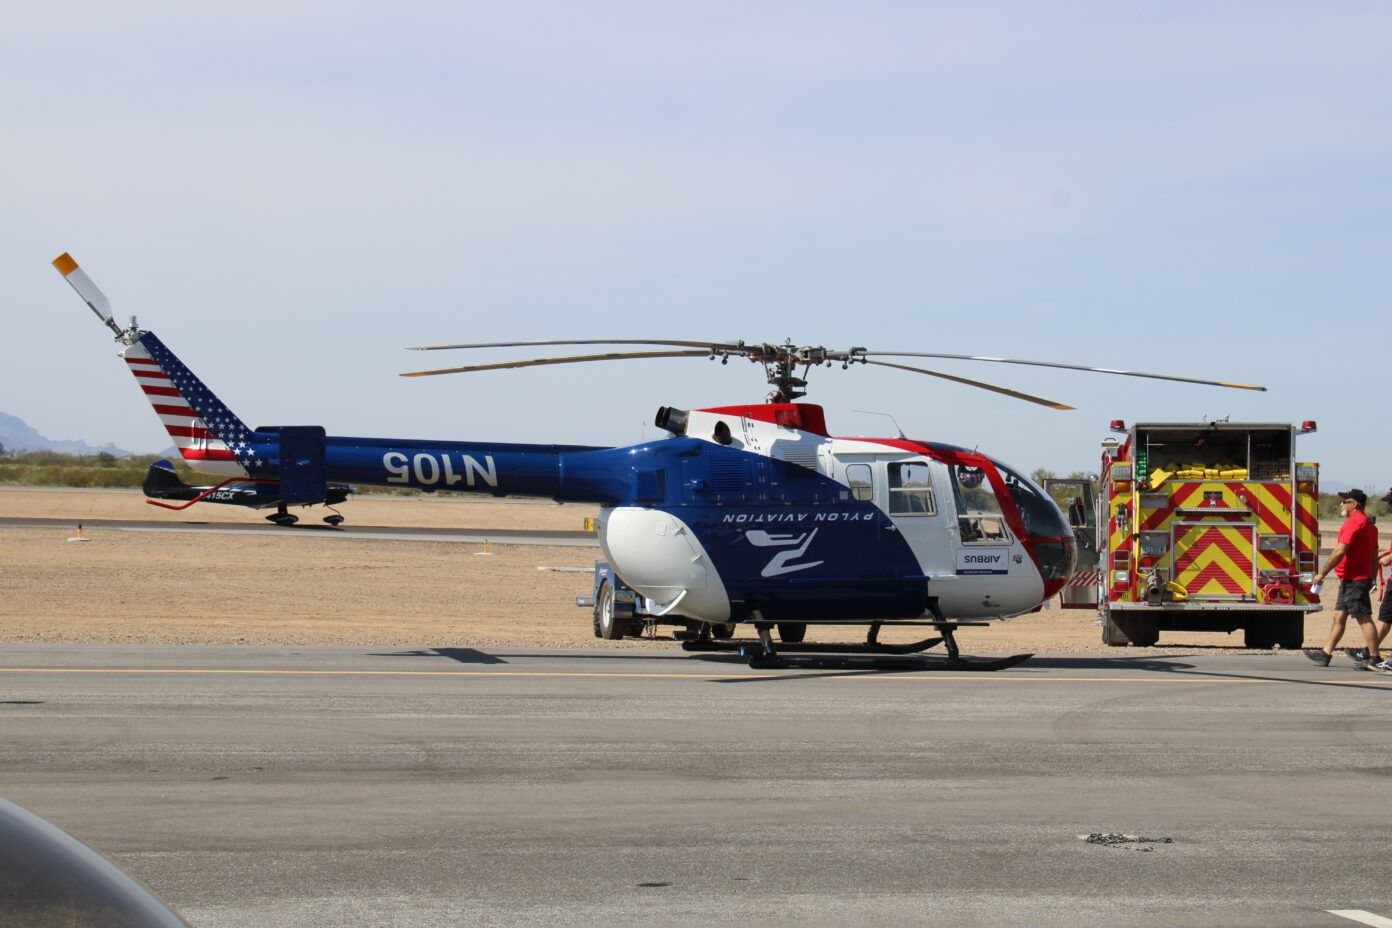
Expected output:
(334, 520)
(723, 632)
(284, 519)
(792, 632)
(607, 625)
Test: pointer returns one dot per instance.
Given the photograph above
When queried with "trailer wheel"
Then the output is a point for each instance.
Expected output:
(607, 625)
(792, 632)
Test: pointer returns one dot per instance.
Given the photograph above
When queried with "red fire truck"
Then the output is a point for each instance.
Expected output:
(1200, 526)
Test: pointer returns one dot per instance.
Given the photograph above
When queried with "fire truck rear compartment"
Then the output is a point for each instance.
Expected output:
(1206, 526)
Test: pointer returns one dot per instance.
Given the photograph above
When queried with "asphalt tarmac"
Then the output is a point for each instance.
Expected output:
(327, 787)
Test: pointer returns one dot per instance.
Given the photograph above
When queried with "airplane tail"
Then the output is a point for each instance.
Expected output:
(207, 434)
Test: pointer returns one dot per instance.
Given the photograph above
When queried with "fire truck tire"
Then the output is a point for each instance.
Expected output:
(607, 625)
(1120, 630)
(1286, 629)
(792, 632)
(1262, 635)
(1291, 636)
(1112, 635)
(1143, 630)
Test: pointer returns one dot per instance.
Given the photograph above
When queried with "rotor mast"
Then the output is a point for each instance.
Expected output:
(781, 362)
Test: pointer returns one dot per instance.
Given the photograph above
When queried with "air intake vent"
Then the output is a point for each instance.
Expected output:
(728, 473)
(803, 455)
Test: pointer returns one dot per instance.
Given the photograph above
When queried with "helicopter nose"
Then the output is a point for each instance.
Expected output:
(1055, 558)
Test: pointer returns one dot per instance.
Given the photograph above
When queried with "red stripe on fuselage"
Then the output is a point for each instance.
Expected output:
(212, 454)
(1007, 504)
(159, 391)
(142, 361)
(164, 410)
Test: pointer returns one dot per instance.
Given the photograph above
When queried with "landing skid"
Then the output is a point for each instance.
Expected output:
(763, 655)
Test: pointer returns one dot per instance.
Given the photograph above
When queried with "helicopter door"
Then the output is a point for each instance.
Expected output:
(1076, 500)
(860, 529)
(912, 501)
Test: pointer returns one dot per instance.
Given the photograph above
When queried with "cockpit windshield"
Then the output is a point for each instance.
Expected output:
(1040, 514)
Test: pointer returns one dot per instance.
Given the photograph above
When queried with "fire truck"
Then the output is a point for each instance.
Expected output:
(1200, 526)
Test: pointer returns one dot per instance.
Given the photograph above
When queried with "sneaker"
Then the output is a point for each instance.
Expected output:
(1316, 655)
(1383, 666)
(1357, 654)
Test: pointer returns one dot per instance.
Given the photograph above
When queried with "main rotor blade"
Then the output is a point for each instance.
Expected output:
(578, 359)
(975, 383)
(582, 341)
(1069, 367)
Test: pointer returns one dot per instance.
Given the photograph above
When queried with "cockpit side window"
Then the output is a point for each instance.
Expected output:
(861, 481)
(911, 489)
(979, 517)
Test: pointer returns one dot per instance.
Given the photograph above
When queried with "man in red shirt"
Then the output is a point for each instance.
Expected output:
(1354, 560)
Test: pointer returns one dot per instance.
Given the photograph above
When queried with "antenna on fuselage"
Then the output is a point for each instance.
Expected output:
(872, 412)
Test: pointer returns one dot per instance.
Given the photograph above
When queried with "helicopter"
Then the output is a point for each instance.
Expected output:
(741, 514)
(162, 483)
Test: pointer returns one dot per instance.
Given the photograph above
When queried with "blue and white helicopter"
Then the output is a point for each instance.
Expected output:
(742, 514)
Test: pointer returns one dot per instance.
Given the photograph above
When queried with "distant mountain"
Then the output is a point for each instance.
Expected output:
(18, 435)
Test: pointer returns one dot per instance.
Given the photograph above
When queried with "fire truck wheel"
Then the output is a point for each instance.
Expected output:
(1143, 630)
(1291, 634)
(1112, 635)
(792, 632)
(1286, 629)
(609, 626)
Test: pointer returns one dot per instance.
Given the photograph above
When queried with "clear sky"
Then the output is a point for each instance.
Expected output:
(289, 194)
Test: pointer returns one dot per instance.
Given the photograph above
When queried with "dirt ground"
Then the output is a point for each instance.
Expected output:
(208, 588)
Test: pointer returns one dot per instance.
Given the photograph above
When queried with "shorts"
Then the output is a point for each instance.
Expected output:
(1354, 598)
(1385, 610)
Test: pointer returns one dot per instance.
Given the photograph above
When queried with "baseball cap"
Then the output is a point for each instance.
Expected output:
(1358, 496)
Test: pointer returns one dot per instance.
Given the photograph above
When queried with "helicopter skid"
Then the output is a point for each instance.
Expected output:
(759, 659)
(697, 644)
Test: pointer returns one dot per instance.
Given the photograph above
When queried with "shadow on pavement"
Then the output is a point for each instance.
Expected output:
(462, 655)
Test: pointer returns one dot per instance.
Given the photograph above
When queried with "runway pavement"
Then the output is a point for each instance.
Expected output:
(328, 787)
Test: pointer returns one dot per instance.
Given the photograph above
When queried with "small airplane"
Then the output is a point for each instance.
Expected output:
(162, 483)
(742, 514)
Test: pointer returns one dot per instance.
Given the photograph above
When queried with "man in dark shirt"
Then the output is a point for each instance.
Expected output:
(1354, 560)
